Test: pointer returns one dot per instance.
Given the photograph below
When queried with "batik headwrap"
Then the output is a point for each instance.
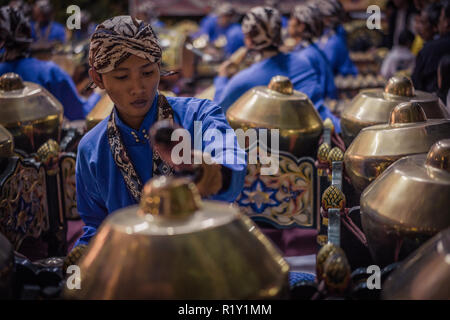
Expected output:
(308, 14)
(15, 33)
(330, 8)
(116, 39)
(263, 26)
(225, 9)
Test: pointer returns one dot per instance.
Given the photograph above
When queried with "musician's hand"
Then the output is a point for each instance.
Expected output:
(224, 69)
(210, 180)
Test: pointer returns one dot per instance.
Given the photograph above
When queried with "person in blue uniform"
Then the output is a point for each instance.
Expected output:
(262, 29)
(333, 40)
(115, 158)
(221, 23)
(15, 40)
(43, 28)
(304, 25)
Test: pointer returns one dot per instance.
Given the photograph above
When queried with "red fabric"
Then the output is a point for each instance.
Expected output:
(293, 242)
(74, 231)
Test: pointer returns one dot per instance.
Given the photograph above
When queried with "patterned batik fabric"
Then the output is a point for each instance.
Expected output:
(116, 39)
(123, 160)
(308, 14)
(263, 26)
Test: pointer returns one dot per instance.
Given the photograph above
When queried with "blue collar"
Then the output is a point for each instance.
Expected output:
(131, 136)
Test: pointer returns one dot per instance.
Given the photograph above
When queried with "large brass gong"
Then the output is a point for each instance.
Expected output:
(407, 204)
(425, 275)
(279, 106)
(29, 112)
(375, 148)
(174, 246)
(373, 106)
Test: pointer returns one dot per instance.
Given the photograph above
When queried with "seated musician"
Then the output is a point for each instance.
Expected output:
(15, 40)
(304, 25)
(43, 28)
(221, 23)
(333, 40)
(115, 158)
(262, 30)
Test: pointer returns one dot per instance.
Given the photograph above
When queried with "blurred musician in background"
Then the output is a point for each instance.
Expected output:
(400, 58)
(262, 30)
(444, 81)
(15, 40)
(333, 40)
(43, 28)
(424, 75)
(306, 24)
(115, 158)
(148, 12)
(223, 24)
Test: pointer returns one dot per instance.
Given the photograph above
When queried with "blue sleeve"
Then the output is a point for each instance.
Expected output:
(342, 61)
(233, 90)
(89, 206)
(331, 90)
(62, 87)
(225, 149)
(326, 113)
(219, 85)
(59, 33)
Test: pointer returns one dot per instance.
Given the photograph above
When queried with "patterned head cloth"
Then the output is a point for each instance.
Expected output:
(330, 8)
(308, 14)
(225, 9)
(15, 33)
(116, 39)
(263, 26)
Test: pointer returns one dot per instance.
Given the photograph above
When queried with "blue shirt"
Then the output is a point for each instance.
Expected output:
(335, 48)
(57, 32)
(56, 81)
(207, 26)
(233, 33)
(100, 185)
(320, 63)
(235, 38)
(297, 68)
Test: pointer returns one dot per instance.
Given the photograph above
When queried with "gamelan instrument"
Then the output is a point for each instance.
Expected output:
(175, 246)
(373, 106)
(376, 147)
(425, 274)
(407, 204)
(37, 185)
(289, 197)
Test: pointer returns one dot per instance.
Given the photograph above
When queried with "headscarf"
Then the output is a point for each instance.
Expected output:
(225, 9)
(263, 26)
(116, 39)
(15, 34)
(332, 9)
(308, 14)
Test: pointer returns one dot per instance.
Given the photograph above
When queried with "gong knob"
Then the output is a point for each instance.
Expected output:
(407, 112)
(11, 81)
(439, 155)
(400, 86)
(170, 197)
(282, 85)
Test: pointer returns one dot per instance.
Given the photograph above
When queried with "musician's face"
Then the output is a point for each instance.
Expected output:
(295, 28)
(224, 20)
(132, 87)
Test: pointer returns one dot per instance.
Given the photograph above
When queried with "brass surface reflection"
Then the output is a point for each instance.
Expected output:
(407, 204)
(374, 106)
(175, 252)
